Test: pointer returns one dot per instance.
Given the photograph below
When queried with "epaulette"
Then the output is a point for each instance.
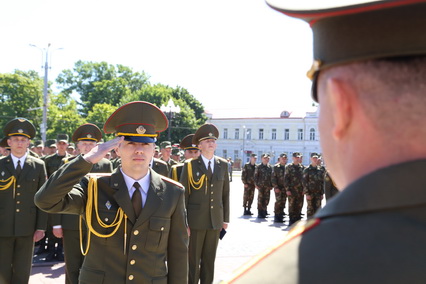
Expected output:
(159, 161)
(69, 159)
(222, 160)
(98, 175)
(187, 161)
(171, 181)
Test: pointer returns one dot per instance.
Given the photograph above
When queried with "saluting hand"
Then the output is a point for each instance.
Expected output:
(99, 152)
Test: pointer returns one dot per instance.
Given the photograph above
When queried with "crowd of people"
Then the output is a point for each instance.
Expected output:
(290, 182)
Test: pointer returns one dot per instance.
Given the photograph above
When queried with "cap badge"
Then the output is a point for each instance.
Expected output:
(141, 130)
(193, 145)
(20, 131)
(89, 136)
(210, 134)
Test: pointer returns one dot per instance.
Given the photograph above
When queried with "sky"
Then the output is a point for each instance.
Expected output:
(239, 58)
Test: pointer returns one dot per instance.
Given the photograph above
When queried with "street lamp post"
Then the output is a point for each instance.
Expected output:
(171, 109)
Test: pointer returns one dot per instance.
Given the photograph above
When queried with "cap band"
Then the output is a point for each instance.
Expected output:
(19, 134)
(135, 134)
(87, 139)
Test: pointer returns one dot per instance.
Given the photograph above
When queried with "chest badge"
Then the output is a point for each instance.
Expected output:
(108, 205)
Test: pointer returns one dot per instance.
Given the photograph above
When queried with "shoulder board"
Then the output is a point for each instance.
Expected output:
(98, 175)
(169, 180)
(177, 165)
(159, 161)
(222, 160)
(301, 227)
(187, 161)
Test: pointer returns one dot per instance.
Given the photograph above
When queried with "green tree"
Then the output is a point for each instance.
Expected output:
(98, 83)
(21, 95)
(63, 117)
(99, 115)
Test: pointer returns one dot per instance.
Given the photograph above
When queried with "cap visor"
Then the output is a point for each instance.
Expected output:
(140, 139)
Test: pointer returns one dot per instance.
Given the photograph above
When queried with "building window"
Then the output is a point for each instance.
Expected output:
(312, 134)
(286, 134)
(248, 134)
(261, 134)
(236, 157)
(237, 133)
(274, 134)
(300, 134)
(225, 133)
(225, 154)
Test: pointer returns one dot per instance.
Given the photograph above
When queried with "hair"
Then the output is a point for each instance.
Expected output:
(392, 91)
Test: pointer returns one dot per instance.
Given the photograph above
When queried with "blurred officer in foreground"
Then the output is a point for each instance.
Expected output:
(369, 78)
(278, 174)
(136, 217)
(247, 177)
(21, 222)
(206, 183)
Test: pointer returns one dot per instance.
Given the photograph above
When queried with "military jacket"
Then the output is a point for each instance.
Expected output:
(176, 171)
(160, 167)
(330, 188)
(374, 231)
(313, 181)
(247, 174)
(207, 206)
(53, 162)
(19, 216)
(278, 175)
(263, 175)
(158, 234)
(293, 178)
(169, 163)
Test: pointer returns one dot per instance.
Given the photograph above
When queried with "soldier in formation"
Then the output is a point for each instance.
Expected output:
(278, 181)
(313, 185)
(294, 188)
(263, 183)
(247, 177)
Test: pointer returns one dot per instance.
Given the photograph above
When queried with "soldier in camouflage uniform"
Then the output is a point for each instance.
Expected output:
(247, 177)
(278, 174)
(313, 185)
(330, 188)
(262, 181)
(294, 188)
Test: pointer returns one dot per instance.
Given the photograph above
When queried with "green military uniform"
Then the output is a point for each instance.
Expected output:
(185, 144)
(262, 180)
(19, 217)
(313, 186)
(278, 174)
(293, 183)
(170, 162)
(160, 167)
(247, 177)
(330, 188)
(207, 203)
(137, 252)
(70, 222)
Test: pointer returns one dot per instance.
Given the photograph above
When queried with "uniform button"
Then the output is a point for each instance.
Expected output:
(211, 185)
(211, 199)
(211, 192)
(134, 247)
(18, 186)
(17, 210)
(18, 202)
(106, 219)
(211, 207)
(131, 277)
(18, 194)
(136, 232)
(162, 229)
(132, 262)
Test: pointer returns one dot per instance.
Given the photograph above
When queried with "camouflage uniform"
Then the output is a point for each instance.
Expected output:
(262, 180)
(293, 183)
(313, 185)
(330, 188)
(277, 180)
(247, 177)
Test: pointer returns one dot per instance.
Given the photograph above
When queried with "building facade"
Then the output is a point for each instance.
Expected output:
(240, 137)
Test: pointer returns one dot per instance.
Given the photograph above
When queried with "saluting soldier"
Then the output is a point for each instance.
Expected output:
(206, 182)
(247, 177)
(21, 222)
(313, 185)
(86, 138)
(278, 175)
(294, 188)
(262, 180)
(136, 218)
(191, 151)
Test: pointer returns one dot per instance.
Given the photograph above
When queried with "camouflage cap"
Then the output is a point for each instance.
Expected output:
(50, 143)
(296, 154)
(165, 144)
(186, 143)
(38, 143)
(137, 121)
(266, 155)
(283, 155)
(314, 155)
(71, 146)
(19, 127)
(349, 31)
(206, 131)
(157, 148)
(176, 151)
(87, 132)
(253, 155)
(62, 138)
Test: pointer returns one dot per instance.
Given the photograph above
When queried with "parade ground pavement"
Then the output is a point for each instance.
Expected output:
(246, 237)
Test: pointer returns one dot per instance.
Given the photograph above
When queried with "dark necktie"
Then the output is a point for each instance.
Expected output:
(137, 199)
(18, 168)
(209, 171)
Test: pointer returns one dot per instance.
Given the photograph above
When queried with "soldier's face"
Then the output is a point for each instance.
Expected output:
(62, 146)
(135, 154)
(166, 152)
(85, 146)
(18, 145)
(283, 160)
(207, 146)
(253, 160)
(265, 160)
(192, 154)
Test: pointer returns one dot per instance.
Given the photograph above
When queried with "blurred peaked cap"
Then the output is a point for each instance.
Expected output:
(38, 143)
(314, 155)
(176, 151)
(266, 155)
(137, 121)
(296, 154)
(345, 31)
(87, 132)
(3, 143)
(186, 143)
(51, 143)
(253, 155)
(165, 144)
(71, 145)
(19, 127)
(283, 155)
(206, 131)
(62, 138)
(157, 148)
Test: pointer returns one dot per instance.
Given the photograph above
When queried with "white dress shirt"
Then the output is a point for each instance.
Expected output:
(144, 183)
